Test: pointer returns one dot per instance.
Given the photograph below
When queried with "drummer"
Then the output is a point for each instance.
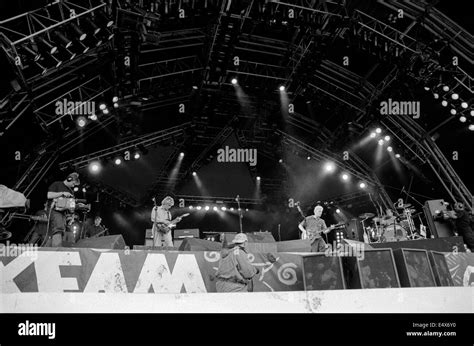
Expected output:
(389, 218)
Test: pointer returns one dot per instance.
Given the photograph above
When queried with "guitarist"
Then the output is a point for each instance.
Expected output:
(161, 218)
(313, 226)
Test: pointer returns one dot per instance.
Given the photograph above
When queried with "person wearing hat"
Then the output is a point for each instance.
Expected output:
(161, 217)
(57, 219)
(235, 270)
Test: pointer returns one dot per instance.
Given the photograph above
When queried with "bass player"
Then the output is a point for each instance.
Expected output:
(162, 223)
(312, 227)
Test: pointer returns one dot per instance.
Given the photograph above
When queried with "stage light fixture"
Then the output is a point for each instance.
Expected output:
(93, 117)
(181, 154)
(471, 127)
(427, 88)
(381, 141)
(246, 209)
(52, 49)
(338, 211)
(389, 149)
(280, 160)
(198, 207)
(445, 88)
(234, 81)
(258, 178)
(373, 135)
(105, 111)
(444, 103)
(462, 119)
(94, 167)
(378, 130)
(76, 189)
(207, 207)
(397, 156)
(362, 185)
(464, 105)
(329, 167)
(102, 106)
(118, 161)
(472, 112)
(115, 99)
(455, 96)
(42, 68)
(345, 176)
(62, 39)
(232, 209)
(195, 87)
(215, 208)
(453, 111)
(136, 156)
(223, 208)
(92, 25)
(191, 207)
(84, 190)
(436, 95)
(81, 34)
(387, 138)
(116, 105)
(194, 173)
(81, 121)
(282, 88)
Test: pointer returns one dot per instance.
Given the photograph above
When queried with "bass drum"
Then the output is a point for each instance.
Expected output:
(393, 233)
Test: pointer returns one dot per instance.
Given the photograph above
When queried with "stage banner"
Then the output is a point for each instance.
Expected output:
(461, 267)
(130, 271)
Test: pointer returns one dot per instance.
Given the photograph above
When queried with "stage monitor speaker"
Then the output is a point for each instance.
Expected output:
(354, 230)
(321, 272)
(439, 229)
(298, 245)
(192, 244)
(157, 248)
(108, 242)
(227, 237)
(186, 233)
(376, 269)
(414, 268)
(440, 269)
(260, 237)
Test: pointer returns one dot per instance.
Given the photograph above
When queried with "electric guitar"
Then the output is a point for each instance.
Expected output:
(165, 228)
(311, 237)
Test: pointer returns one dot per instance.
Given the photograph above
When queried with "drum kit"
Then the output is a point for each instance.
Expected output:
(390, 228)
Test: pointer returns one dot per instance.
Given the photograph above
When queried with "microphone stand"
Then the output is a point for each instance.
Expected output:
(240, 214)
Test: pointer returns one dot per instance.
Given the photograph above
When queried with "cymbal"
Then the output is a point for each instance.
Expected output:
(404, 206)
(366, 216)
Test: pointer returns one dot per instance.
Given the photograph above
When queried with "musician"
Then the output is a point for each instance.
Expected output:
(96, 228)
(57, 219)
(40, 227)
(235, 270)
(162, 216)
(313, 226)
(462, 222)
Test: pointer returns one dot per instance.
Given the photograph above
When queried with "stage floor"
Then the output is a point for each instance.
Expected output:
(388, 300)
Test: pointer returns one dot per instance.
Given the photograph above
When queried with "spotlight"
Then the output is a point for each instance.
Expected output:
(455, 96)
(427, 88)
(52, 49)
(181, 154)
(381, 141)
(464, 105)
(471, 127)
(78, 31)
(445, 88)
(93, 117)
(81, 121)
(234, 81)
(94, 167)
(118, 161)
(198, 207)
(436, 95)
(308, 158)
(115, 99)
(397, 156)
(444, 103)
(462, 119)
(258, 178)
(345, 176)
(246, 209)
(378, 130)
(472, 112)
(223, 208)
(389, 149)
(102, 106)
(116, 105)
(105, 111)
(282, 88)
(329, 167)
(232, 209)
(136, 156)
(207, 207)
(191, 207)
(194, 173)
(280, 160)
(84, 190)
(373, 134)
(362, 185)
(453, 111)
(338, 211)
(195, 87)
(215, 208)
(76, 189)
(387, 138)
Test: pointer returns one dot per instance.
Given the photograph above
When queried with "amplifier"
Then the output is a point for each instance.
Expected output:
(438, 228)
(186, 233)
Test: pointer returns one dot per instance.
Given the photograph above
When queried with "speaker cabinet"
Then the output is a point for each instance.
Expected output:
(321, 272)
(354, 230)
(107, 242)
(375, 269)
(414, 268)
(438, 228)
(440, 269)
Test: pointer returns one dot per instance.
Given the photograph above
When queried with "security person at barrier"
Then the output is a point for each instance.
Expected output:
(235, 270)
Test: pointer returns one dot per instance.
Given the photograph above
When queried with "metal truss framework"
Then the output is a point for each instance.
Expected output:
(425, 150)
(218, 200)
(145, 140)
